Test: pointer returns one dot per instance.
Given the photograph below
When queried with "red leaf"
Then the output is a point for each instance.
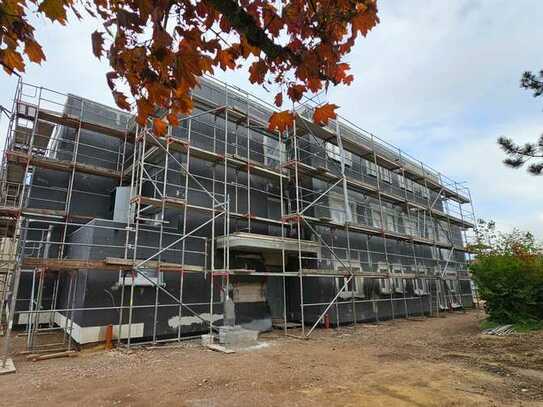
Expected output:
(121, 101)
(279, 99)
(225, 59)
(296, 92)
(160, 127)
(97, 44)
(110, 77)
(33, 51)
(145, 108)
(172, 119)
(257, 72)
(281, 121)
(11, 60)
(365, 19)
(54, 9)
(324, 113)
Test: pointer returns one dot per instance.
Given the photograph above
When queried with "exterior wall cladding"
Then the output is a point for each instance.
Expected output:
(387, 215)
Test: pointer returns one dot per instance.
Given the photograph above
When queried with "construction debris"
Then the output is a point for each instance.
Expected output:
(9, 367)
(502, 330)
(235, 337)
(67, 354)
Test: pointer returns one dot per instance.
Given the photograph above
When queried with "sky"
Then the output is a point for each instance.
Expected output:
(439, 79)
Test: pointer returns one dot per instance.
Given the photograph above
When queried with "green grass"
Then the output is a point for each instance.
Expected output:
(524, 326)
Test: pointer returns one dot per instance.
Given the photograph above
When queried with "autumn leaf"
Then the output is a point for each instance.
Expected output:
(365, 19)
(97, 44)
(324, 113)
(279, 99)
(226, 60)
(298, 47)
(54, 9)
(296, 92)
(160, 127)
(257, 72)
(110, 77)
(145, 109)
(11, 60)
(173, 120)
(121, 101)
(281, 121)
(34, 51)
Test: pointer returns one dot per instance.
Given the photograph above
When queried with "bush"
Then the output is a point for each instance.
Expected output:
(511, 286)
(508, 272)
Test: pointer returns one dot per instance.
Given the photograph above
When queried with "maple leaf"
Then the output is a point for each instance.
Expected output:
(145, 109)
(324, 113)
(257, 72)
(121, 101)
(160, 49)
(54, 10)
(97, 39)
(225, 59)
(365, 19)
(34, 51)
(160, 127)
(281, 121)
(296, 92)
(279, 99)
(11, 60)
(110, 77)
(173, 120)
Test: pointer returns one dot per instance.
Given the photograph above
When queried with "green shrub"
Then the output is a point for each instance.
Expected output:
(511, 286)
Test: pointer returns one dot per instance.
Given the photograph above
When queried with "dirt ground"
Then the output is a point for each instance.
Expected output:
(429, 362)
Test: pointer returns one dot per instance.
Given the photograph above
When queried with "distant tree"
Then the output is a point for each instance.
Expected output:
(528, 152)
(159, 48)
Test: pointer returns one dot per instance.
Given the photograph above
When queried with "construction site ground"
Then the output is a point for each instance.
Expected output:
(438, 361)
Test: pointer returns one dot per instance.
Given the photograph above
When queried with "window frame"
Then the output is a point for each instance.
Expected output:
(386, 175)
(334, 152)
(371, 169)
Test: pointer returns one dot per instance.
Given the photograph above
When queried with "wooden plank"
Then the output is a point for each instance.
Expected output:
(108, 264)
(74, 123)
(153, 264)
(67, 354)
(60, 165)
(219, 348)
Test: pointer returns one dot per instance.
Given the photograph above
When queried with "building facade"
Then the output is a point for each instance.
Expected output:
(218, 222)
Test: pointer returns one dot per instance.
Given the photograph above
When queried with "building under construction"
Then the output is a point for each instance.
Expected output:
(218, 222)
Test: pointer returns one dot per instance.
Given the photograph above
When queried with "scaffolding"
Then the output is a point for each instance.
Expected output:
(383, 229)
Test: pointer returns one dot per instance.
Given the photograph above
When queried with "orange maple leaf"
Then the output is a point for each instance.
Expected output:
(145, 108)
(324, 113)
(34, 51)
(226, 60)
(160, 126)
(281, 121)
(365, 19)
(173, 120)
(120, 100)
(296, 92)
(257, 72)
(11, 60)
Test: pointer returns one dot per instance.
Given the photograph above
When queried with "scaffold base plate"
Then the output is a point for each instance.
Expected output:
(8, 368)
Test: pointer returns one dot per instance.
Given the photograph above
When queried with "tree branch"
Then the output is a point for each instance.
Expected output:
(245, 24)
